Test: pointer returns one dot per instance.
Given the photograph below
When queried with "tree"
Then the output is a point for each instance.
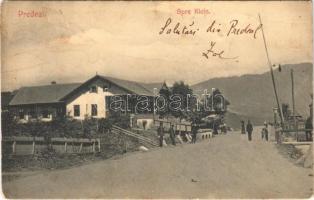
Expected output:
(214, 103)
(181, 100)
(163, 101)
(217, 102)
(7, 123)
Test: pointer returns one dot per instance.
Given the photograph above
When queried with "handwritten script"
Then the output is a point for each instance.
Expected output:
(233, 29)
(214, 53)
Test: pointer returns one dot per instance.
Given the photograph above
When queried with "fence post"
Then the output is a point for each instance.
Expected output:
(98, 145)
(65, 146)
(94, 147)
(81, 147)
(13, 146)
(180, 129)
(33, 150)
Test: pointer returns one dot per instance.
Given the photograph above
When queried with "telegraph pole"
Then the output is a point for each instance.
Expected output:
(272, 73)
(293, 105)
(154, 104)
(293, 101)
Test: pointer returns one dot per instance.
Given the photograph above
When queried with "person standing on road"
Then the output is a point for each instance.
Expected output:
(160, 132)
(249, 129)
(242, 127)
(269, 130)
(265, 132)
(194, 132)
(215, 128)
(172, 134)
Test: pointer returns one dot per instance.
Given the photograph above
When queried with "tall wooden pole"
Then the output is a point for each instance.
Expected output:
(154, 104)
(293, 105)
(293, 101)
(272, 73)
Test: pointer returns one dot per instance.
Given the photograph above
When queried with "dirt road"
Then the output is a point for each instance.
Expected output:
(226, 167)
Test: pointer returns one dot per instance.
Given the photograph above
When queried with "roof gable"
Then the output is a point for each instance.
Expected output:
(130, 87)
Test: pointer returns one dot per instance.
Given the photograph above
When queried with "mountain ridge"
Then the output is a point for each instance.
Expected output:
(252, 95)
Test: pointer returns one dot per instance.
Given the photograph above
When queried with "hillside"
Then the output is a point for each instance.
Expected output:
(252, 96)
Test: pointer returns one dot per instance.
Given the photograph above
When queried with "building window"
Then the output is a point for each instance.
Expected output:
(106, 87)
(45, 113)
(60, 112)
(31, 114)
(77, 110)
(93, 89)
(94, 109)
(21, 114)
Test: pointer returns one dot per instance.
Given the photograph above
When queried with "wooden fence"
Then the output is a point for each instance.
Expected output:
(178, 126)
(31, 145)
(142, 139)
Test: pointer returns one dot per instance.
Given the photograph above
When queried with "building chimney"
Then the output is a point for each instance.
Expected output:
(53, 82)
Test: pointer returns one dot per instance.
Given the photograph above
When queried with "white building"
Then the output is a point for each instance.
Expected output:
(76, 100)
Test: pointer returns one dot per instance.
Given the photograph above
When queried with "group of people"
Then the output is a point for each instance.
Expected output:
(172, 134)
(249, 130)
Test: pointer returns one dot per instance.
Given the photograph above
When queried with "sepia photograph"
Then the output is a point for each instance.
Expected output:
(156, 99)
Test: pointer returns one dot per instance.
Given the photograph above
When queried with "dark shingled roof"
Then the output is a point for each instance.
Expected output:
(135, 87)
(42, 94)
(55, 93)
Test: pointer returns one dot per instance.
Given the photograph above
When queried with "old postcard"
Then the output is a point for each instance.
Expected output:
(156, 100)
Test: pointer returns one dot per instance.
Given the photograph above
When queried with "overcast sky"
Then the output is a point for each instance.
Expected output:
(74, 40)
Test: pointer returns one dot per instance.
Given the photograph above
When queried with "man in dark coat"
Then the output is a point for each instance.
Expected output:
(194, 132)
(249, 129)
(160, 132)
(265, 132)
(215, 129)
(172, 134)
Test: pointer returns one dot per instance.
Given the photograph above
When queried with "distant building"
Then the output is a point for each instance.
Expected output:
(77, 100)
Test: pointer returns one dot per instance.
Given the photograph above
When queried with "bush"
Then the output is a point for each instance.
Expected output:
(63, 127)
(105, 124)
(7, 123)
(120, 120)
